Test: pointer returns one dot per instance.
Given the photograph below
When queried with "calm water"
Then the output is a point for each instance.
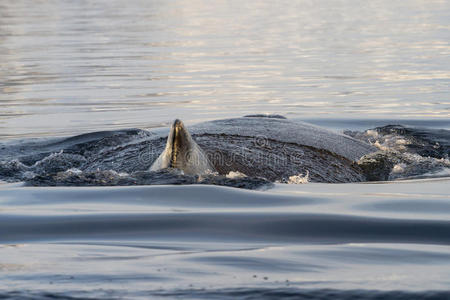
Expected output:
(68, 67)
(75, 66)
(311, 241)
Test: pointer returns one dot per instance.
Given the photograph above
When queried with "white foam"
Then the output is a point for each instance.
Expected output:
(235, 174)
(399, 168)
(299, 179)
(74, 171)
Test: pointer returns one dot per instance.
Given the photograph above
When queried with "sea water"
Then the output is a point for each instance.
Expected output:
(71, 67)
(199, 241)
(77, 66)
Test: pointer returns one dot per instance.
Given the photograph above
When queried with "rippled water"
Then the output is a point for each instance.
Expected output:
(71, 67)
(75, 66)
(319, 240)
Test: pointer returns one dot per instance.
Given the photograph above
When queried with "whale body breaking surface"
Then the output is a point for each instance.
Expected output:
(243, 152)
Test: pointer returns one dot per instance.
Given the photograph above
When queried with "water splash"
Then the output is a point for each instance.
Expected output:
(405, 152)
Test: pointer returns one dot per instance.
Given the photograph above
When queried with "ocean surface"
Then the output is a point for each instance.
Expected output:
(200, 241)
(74, 67)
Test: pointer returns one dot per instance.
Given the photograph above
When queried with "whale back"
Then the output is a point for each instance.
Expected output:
(263, 130)
(272, 148)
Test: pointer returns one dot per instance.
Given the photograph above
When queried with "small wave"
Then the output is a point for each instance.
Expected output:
(405, 152)
(422, 141)
(222, 226)
(293, 293)
(232, 293)
(76, 177)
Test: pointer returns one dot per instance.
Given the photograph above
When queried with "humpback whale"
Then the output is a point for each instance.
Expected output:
(270, 148)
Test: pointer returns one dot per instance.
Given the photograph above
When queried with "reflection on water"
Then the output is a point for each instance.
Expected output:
(71, 66)
(200, 242)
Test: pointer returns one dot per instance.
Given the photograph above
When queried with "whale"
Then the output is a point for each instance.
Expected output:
(270, 147)
(267, 148)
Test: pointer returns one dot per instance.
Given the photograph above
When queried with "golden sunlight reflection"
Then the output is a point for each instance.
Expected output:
(203, 60)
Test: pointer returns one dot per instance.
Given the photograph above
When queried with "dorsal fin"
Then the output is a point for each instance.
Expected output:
(182, 153)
